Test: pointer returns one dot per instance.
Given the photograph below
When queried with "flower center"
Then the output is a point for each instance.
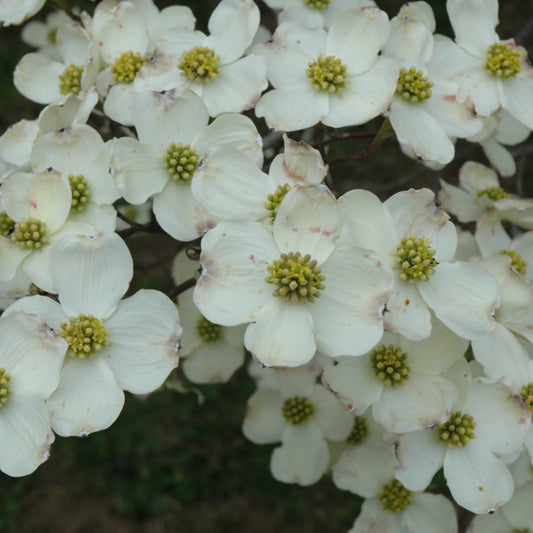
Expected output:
(526, 393)
(394, 497)
(390, 365)
(70, 80)
(494, 193)
(413, 85)
(127, 66)
(503, 60)
(517, 263)
(297, 410)
(274, 200)
(85, 335)
(327, 74)
(80, 192)
(199, 63)
(317, 4)
(457, 431)
(359, 431)
(4, 388)
(6, 224)
(30, 233)
(181, 162)
(297, 277)
(208, 331)
(416, 259)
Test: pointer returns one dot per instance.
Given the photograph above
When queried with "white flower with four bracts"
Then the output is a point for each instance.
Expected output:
(418, 241)
(317, 77)
(490, 424)
(300, 291)
(302, 414)
(174, 136)
(213, 66)
(113, 344)
(395, 375)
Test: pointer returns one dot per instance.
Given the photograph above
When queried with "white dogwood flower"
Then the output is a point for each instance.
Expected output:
(300, 291)
(317, 77)
(113, 344)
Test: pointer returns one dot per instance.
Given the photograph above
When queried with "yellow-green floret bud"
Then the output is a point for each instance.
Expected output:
(413, 85)
(4, 387)
(522, 530)
(317, 4)
(85, 335)
(297, 277)
(208, 331)
(127, 66)
(51, 35)
(80, 192)
(457, 431)
(297, 410)
(327, 74)
(200, 64)
(394, 497)
(526, 393)
(517, 263)
(359, 431)
(416, 259)
(503, 60)
(70, 80)
(274, 200)
(494, 193)
(181, 162)
(6, 224)
(30, 233)
(389, 364)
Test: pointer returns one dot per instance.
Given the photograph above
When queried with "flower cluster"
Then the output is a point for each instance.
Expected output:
(388, 340)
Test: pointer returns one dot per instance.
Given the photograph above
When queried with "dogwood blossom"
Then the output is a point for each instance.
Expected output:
(294, 278)
(301, 414)
(113, 345)
(317, 77)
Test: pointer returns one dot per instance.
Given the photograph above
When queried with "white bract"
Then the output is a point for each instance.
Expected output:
(210, 353)
(230, 185)
(31, 354)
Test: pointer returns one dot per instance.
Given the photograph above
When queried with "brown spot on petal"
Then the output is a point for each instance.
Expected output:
(407, 302)
(480, 489)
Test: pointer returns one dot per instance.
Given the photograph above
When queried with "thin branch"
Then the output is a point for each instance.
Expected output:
(182, 287)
